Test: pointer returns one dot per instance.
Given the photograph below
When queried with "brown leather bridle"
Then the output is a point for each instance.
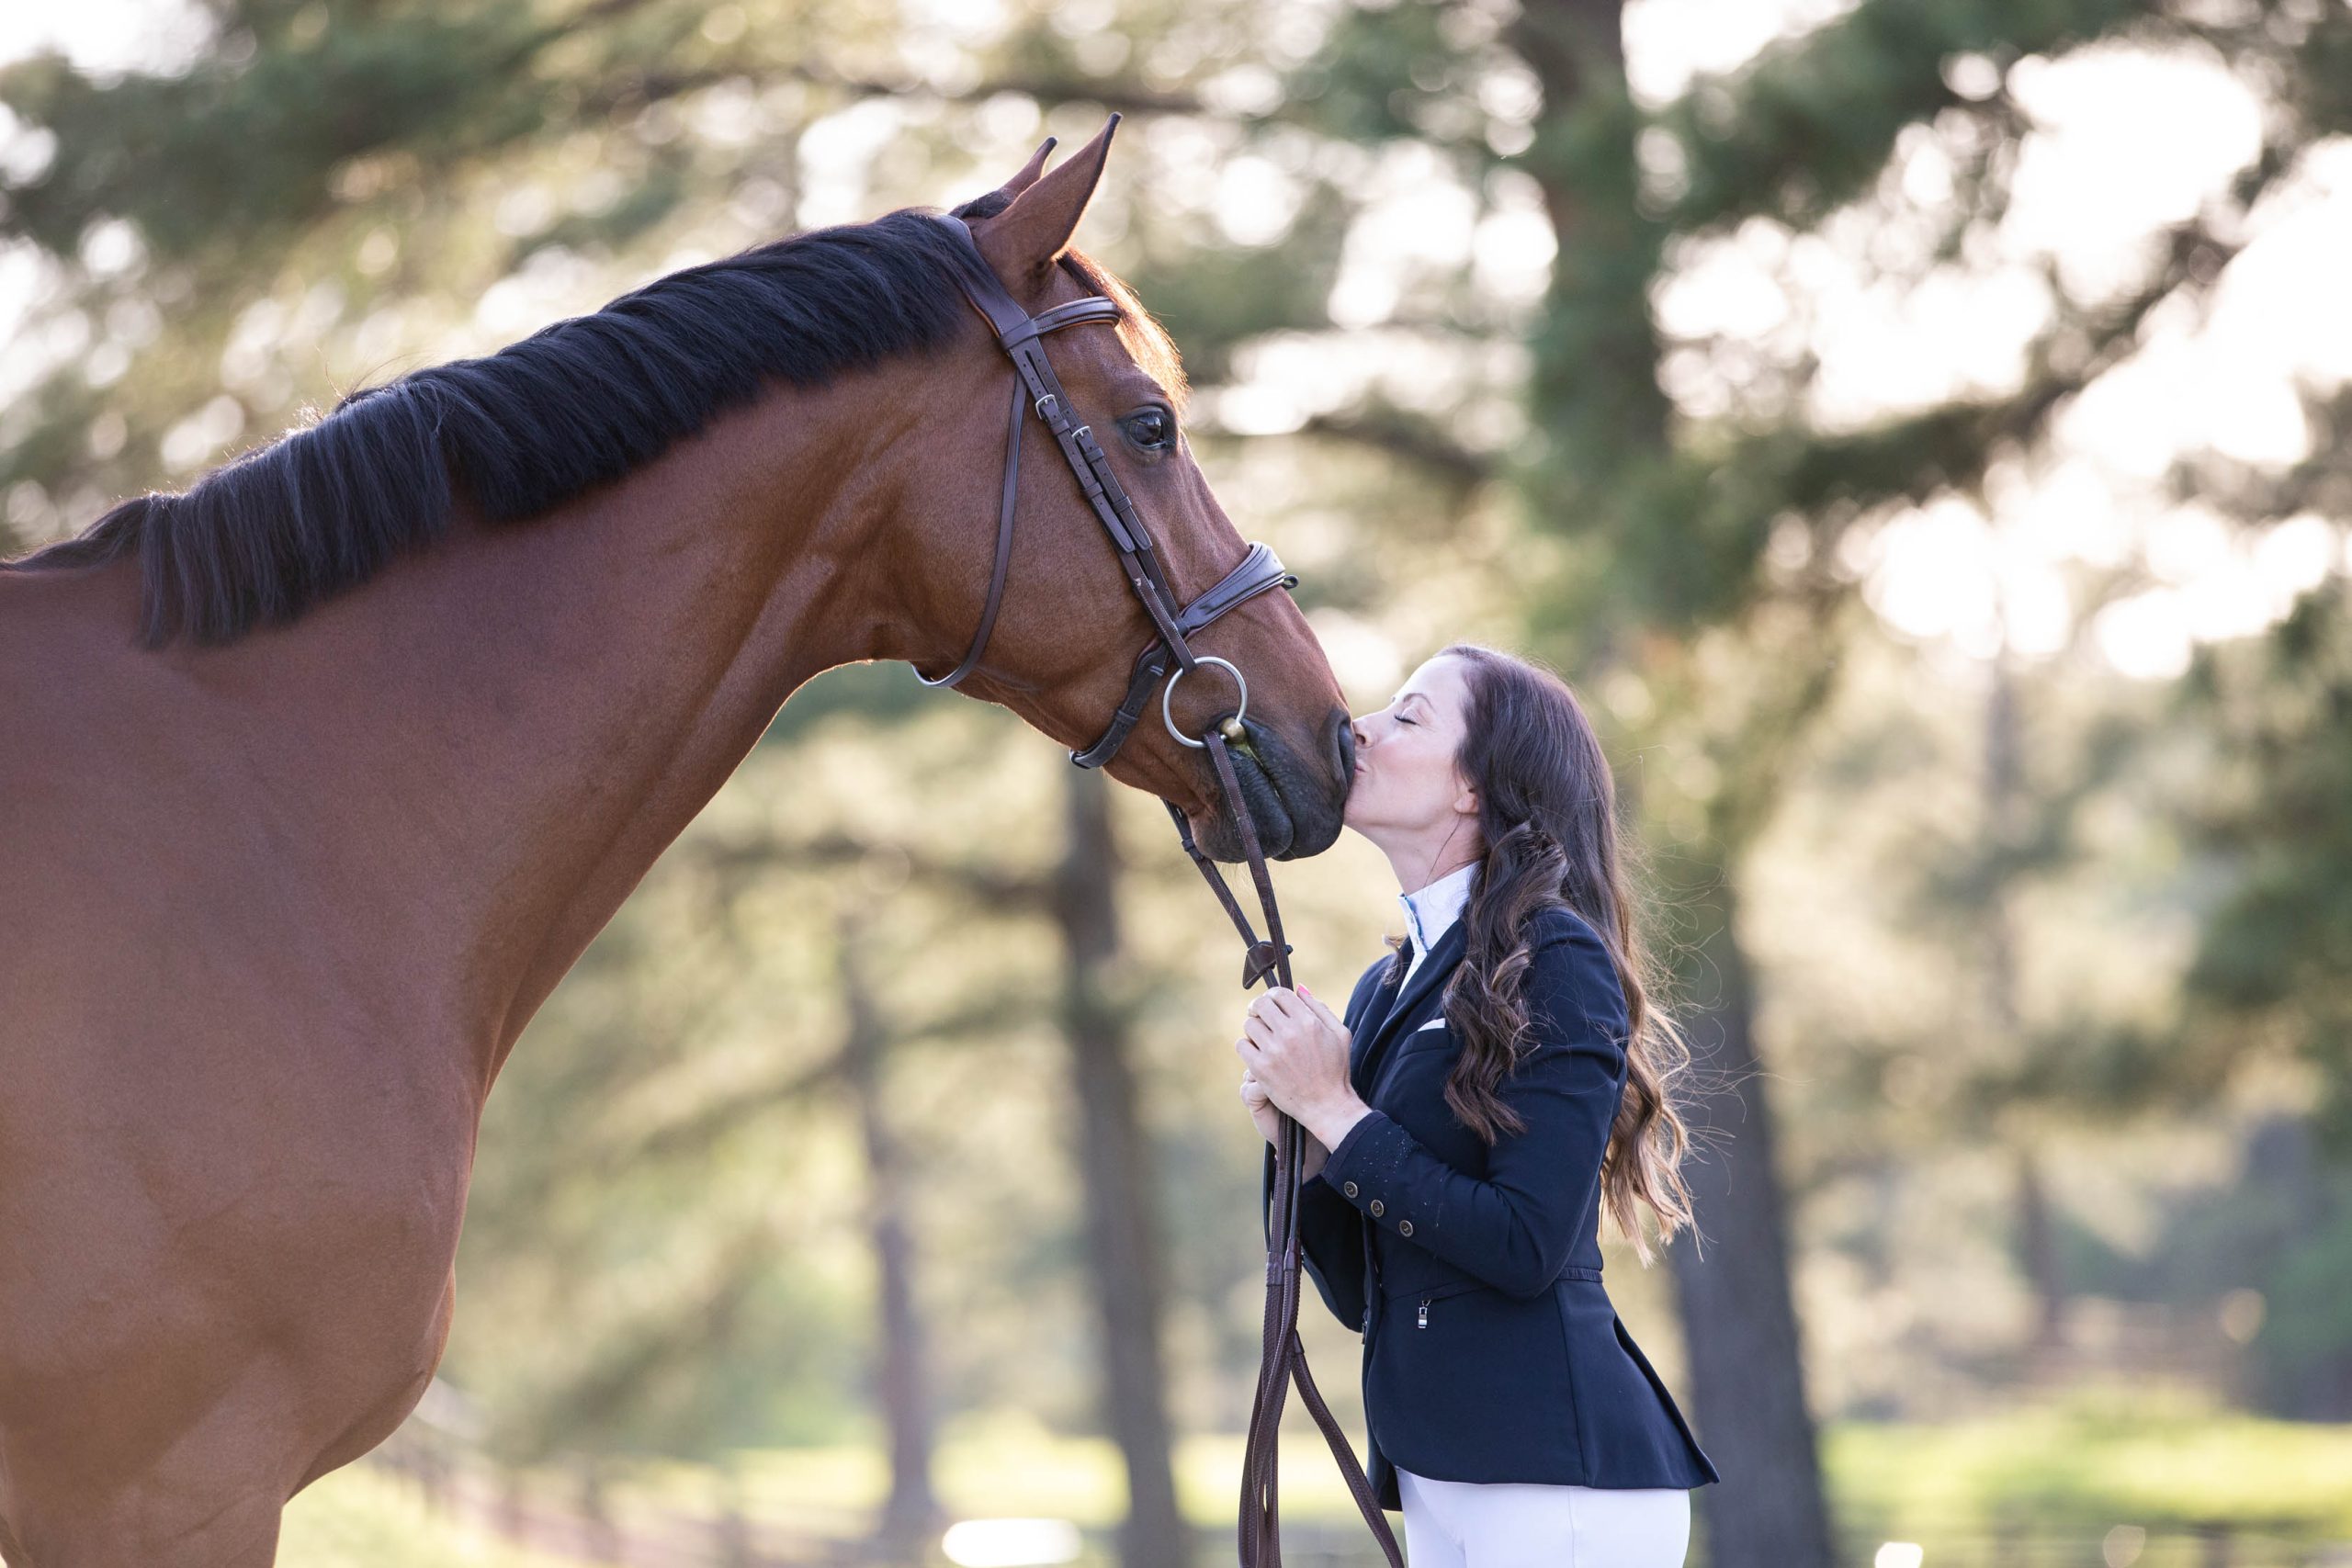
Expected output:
(1036, 388)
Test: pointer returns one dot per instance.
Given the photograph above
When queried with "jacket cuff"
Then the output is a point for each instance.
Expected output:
(1343, 1169)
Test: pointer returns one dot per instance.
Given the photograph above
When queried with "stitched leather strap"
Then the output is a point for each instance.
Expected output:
(1259, 569)
(1003, 550)
(1021, 334)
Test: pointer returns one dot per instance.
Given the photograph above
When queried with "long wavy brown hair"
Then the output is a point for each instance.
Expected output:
(1547, 818)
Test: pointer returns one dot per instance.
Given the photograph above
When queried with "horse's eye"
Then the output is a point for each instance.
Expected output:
(1150, 430)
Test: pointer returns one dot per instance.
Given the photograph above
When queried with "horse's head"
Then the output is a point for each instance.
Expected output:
(1062, 649)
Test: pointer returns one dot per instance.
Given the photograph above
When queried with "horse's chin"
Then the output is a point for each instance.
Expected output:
(1220, 835)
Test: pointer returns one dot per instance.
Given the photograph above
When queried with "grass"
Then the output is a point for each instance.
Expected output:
(360, 1517)
(998, 1465)
(2090, 1466)
(2062, 1476)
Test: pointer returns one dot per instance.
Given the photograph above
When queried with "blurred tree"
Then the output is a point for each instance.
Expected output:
(1708, 574)
(1123, 1229)
(1115, 1164)
(912, 1514)
(660, 1175)
(2268, 976)
(1710, 583)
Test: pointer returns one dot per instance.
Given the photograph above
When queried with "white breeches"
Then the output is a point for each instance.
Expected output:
(1465, 1524)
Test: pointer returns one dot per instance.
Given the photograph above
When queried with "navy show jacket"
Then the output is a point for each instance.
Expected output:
(1491, 1352)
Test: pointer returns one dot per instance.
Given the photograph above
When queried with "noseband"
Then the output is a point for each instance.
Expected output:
(1169, 657)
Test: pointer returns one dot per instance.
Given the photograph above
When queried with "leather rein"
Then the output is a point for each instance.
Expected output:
(1169, 657)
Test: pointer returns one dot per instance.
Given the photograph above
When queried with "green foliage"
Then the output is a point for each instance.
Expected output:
(2267, 980)
(2269, 966)
(1807, 126)
(2306, 1343)
(2082, 1468)
(241, 149)
(610, 1195)
(1384, 73)
(1214, 298)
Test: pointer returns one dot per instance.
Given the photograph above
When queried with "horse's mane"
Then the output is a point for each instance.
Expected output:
(576, 404)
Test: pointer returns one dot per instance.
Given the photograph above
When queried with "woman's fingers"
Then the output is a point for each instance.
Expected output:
(1281, 1012)
(1295, 1008)
(1323, 1012)
(1279, 1004)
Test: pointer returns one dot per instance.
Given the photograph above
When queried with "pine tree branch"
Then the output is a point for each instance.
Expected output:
(1808, 125)
(1419, 442)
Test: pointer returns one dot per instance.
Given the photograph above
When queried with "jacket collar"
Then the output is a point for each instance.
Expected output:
(1373, 1030)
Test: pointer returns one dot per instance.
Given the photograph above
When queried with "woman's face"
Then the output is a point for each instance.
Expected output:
(1406, 786)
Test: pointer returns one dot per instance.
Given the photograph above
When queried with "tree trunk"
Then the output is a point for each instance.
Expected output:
(1594, 391)
(2006, 825)
(1739, 1321)
(1593, 384)
(2037, 1251)
(1123, 1230)
(912, 1512)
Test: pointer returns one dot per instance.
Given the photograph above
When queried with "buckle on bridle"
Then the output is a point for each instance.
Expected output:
(1231, 727)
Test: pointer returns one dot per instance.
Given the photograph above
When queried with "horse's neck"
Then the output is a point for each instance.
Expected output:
(532, 712)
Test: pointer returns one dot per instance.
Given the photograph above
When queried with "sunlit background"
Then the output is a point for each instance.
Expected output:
(1914, 425)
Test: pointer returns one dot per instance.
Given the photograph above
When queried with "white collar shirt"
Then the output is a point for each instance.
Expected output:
(1430, 911)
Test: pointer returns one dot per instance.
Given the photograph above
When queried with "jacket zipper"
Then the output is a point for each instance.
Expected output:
(1422, 1319)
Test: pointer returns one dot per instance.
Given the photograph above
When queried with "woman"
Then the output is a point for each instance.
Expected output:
(1496, 1083)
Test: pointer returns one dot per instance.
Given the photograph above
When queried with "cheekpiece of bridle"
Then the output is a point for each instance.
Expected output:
(1036, 389)
(1169, 657)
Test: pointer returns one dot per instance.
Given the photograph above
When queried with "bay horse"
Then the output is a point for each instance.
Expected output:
(316, 778)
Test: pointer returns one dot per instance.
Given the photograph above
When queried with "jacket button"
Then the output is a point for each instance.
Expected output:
(1375, 1208)
(1348, 1187)
(1404, 1227)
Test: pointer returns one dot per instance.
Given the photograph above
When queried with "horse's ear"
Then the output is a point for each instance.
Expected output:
(982, 208)
(1029, 171)
(1025, 241)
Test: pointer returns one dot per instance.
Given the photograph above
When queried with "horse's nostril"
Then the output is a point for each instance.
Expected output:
(1344, 744)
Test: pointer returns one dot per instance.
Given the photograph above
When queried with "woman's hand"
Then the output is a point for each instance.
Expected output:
(1297, 1057)
(1261, 1106)
(1311, 1152)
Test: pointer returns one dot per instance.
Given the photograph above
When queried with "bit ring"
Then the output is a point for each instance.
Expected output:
(1168, 694)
